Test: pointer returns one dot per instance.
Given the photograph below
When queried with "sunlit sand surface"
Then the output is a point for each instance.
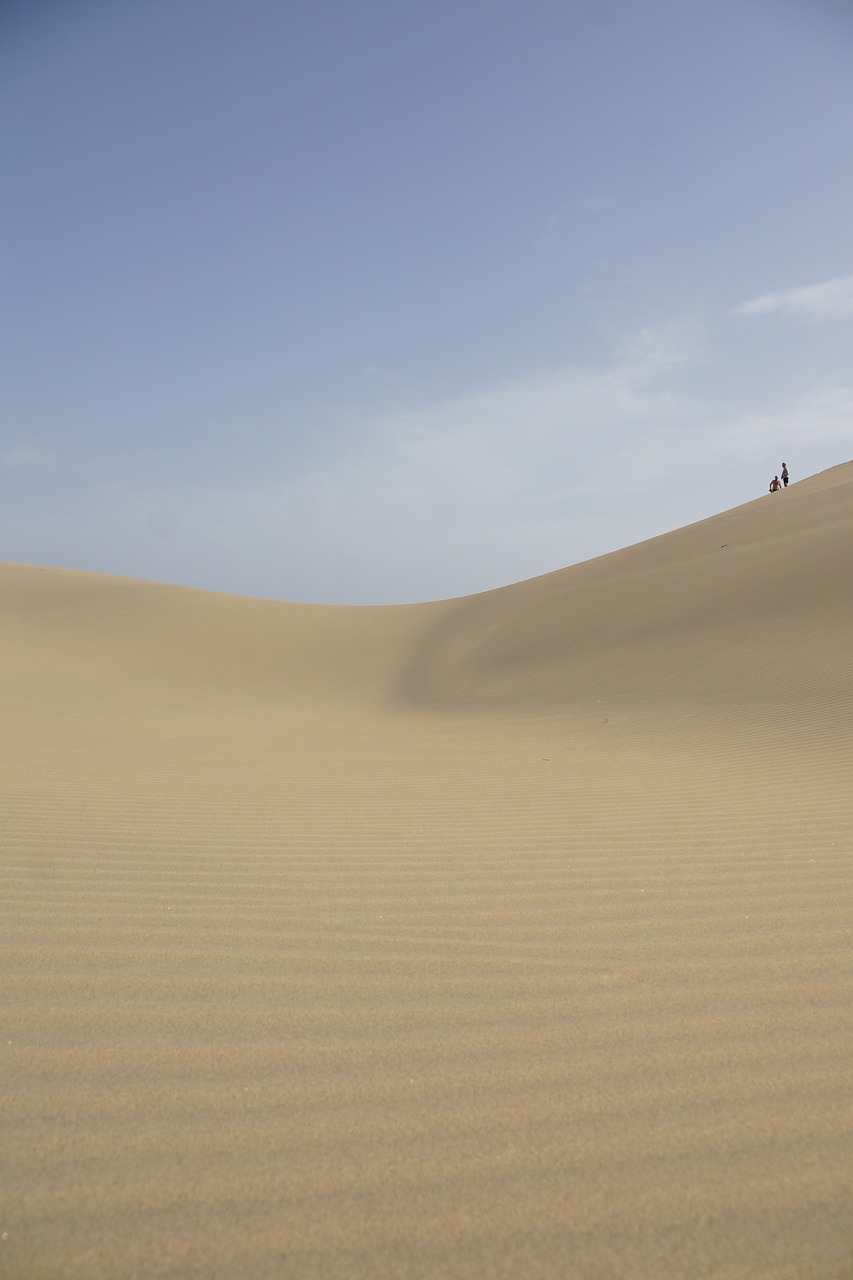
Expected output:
(509, 936)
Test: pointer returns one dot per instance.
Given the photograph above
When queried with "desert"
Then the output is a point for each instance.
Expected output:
(501, 936)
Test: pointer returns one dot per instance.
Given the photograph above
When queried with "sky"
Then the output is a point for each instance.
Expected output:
(387, 302)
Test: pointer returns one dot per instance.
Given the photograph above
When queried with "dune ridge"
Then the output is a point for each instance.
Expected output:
(500, 936)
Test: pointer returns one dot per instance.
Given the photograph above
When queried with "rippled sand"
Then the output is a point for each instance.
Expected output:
(509, 936)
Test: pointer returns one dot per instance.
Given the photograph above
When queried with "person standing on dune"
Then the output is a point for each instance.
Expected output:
(785, 474)
(775, 484)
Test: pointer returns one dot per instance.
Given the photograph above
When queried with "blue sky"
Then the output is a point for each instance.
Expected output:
(384, 302)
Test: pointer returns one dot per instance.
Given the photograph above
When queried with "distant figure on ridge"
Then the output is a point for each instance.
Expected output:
(785, 474)
(775, 484)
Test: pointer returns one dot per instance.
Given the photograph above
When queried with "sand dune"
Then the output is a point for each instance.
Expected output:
(507, 936)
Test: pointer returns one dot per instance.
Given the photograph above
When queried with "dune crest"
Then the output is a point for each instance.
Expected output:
(499, 936)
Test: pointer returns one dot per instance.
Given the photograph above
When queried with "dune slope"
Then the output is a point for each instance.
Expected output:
(492, 937)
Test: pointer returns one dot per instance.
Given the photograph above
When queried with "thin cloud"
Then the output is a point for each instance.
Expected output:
(596, 204)
(823, 416)
(559, 223)
(659, 349)
(29, 456)
(460, 496)
(829, 300)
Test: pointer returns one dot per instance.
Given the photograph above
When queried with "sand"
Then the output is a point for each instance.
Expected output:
(508, 936)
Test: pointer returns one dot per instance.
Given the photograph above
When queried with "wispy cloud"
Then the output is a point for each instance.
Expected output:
(829, 300)
(699, 438)
(463, 495)
(648, 353)
(596, 203)
(560, 221)
(821, 416)
(32, 455)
